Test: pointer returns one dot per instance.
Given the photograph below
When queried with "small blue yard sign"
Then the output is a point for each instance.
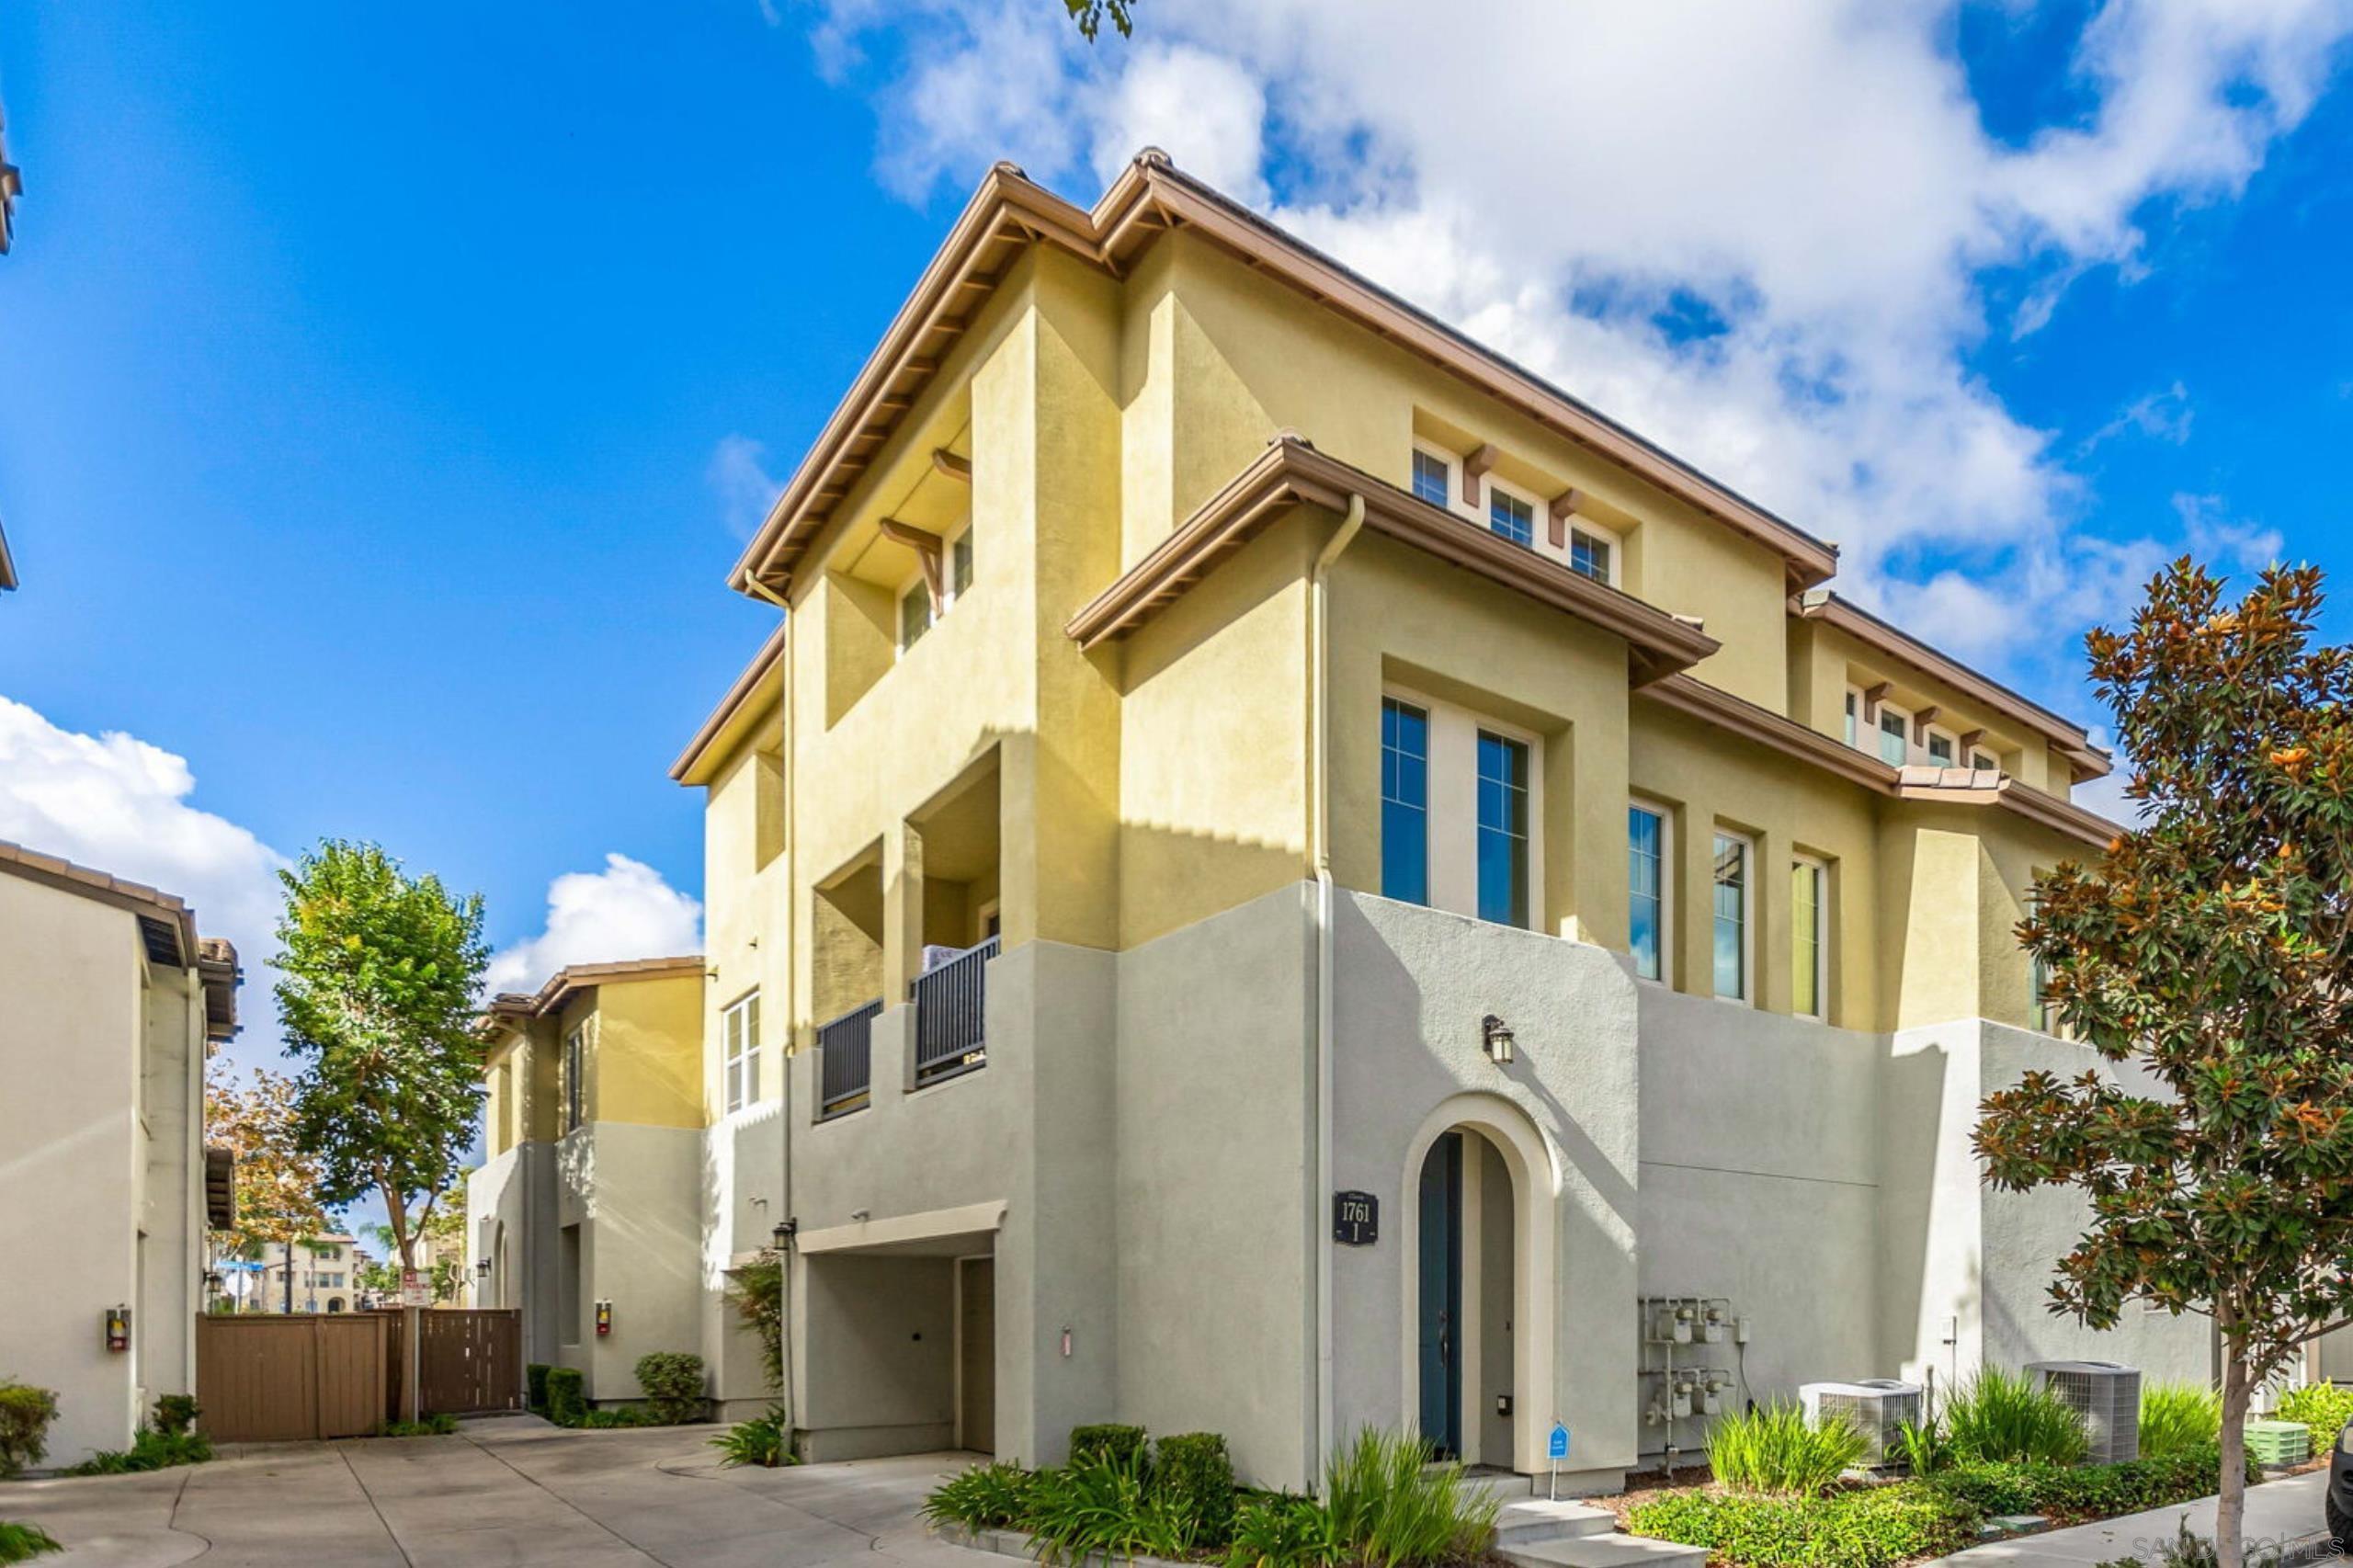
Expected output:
(1557, 1447)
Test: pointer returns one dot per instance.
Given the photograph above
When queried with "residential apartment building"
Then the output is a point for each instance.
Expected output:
(316, 1274)
(589, 1205)
(109, 1001)
(1280, 874)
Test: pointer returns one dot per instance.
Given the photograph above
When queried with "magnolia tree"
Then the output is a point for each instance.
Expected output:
(2211, 948)
(381, 970)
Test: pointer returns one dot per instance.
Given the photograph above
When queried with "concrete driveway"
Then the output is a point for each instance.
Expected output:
(505, 1491)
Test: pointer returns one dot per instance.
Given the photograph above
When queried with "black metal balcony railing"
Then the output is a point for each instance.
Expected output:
(948, 1000)
(844, 1057)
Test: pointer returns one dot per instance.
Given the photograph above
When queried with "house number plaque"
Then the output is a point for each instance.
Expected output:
(1356, 1219)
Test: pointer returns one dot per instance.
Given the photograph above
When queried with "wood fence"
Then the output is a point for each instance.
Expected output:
(266, 1378)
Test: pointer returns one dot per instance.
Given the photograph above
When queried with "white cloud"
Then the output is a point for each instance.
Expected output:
(120, 805)
(744, 487)
(625, 910)
(1816, 178)
(2160, 415)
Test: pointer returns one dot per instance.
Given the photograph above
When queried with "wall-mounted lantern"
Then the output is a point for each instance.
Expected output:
(481, 1267)
(781, 1237)
(117, 1328)
(1495, 1035)
(604, 1319)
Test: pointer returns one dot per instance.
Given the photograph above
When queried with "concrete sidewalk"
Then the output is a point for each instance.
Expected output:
(2281, 1516)
(504, 1492)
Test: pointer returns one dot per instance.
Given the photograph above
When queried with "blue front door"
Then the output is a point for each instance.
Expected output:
(1441, 1295)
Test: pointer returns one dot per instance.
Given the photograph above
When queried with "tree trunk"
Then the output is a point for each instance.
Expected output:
(2230, 1507)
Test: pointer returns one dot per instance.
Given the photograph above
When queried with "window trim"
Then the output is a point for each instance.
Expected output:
(1449, 464)
(1664, 815)
(1421, 706)
(1508, 491)
(748, 1056)
(1531, 824)
(1746, 996)
(1819, 869)
(1938, 732)
(1580, 524)
(1879, 730)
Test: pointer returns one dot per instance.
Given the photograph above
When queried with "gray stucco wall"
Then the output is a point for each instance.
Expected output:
(883, 1330)
(513, 1198)
(636, 1193)
(743, 1189)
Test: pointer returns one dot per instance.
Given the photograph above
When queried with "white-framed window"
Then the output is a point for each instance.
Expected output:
(1510, 513)
(914, 614)
(1895, 735)
(1462, 810)
(1735, 875)
(1593, 553)
(1854, 717)
(576, 1076)
(1432, 478)
(1984, 759)
(1944, 750)
(1649, 889)
(740, 1034)
(916, 611)
(1810, 937)
(1504, 827)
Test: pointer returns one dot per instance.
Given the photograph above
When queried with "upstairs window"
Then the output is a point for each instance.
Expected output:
(1646, 889)
(1941, 749)
(1590, 555)
(575, 1075)
(1433, 481)
(1895, 745)
(740, 1030)
(1853, 705)
(1732, 877)
(1809, 928)
(959, 565)
(1502, 830)
(1983, 759)
(915, 614)
(1510, 516)
(1404, 802)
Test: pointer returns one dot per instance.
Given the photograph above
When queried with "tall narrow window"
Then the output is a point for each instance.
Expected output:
(1808, 916)
(1502, 830)
(915, 614)
(2039, 1011)
(1511, 517)
(1646, 889)
(1589, 554)
(1892, 725)
(1404, 802)
(741, 1031)
(959, 563)
(576, 1071)
(1851, 706)
(1431, 479)
(1732, 916)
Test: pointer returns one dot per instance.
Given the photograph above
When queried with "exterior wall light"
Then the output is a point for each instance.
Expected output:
(117, 1328)
(1495, 1035)
(781, 1237)
(603, 1320)
(481, 1267)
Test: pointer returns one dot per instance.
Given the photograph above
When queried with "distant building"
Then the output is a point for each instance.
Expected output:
(324, 1272)
(107, 1000)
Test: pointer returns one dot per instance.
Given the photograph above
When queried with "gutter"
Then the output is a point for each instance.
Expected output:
(1319, 806)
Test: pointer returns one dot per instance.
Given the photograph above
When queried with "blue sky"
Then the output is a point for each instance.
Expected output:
(387, 391)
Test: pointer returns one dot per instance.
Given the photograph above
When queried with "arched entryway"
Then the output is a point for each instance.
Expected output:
(1478, 1255)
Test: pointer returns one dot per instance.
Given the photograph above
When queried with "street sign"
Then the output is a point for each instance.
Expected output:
(1557, 1447)
(414, 1292)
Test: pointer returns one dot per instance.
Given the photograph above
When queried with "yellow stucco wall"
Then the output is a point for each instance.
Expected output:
(648, 1053)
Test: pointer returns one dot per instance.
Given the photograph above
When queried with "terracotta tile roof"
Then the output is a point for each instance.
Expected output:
(582, 977)
(166, 925)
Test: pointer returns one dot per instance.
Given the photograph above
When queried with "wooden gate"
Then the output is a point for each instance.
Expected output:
(472, 1359)
(269, 1379)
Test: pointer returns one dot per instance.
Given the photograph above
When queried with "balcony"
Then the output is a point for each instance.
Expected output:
(845, 1058)
(950, 1000)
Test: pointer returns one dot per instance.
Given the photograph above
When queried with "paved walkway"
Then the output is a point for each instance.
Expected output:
(2281, 1516)
(504, 1492)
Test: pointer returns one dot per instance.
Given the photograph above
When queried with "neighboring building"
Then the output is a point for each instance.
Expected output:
(108, 999)
(593, 1189)
(317, 1274)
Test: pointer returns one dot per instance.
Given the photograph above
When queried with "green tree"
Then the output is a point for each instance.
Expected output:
(1089, 16)
(276, 1181)
(380, 972)
(2209, 952)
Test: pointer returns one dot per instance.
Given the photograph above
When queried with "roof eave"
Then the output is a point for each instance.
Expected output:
(742, 695)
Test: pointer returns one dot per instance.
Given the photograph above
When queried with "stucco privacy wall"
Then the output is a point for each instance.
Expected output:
(1410, 987)
(510, 1202)
(741, 1193)
(1216, 1080)
(635, 1192)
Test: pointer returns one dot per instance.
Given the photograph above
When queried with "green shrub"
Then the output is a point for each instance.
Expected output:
(1283, 1532)
(986, 1498)
(2085, 1492)
(177, 1413)
(535, 1386)
(2325, 1408)
(1777, 1450)
(1922, 1446)
(1866, 1528)
(1107, 1439)
(1998, 1417)
(440, 1424)
(566, 1404)
(611, 1416)
(673, 1384)
(21, 1543)
(764, 1440)
(2177, 1418)
(1390, 1506)
(150, 1450)
(25, 1415)
(1100, 1504)
(757, 1292)
(1194, 1473)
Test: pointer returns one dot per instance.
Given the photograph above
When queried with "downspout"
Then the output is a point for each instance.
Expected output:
(791, 782)
(1320, 806)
